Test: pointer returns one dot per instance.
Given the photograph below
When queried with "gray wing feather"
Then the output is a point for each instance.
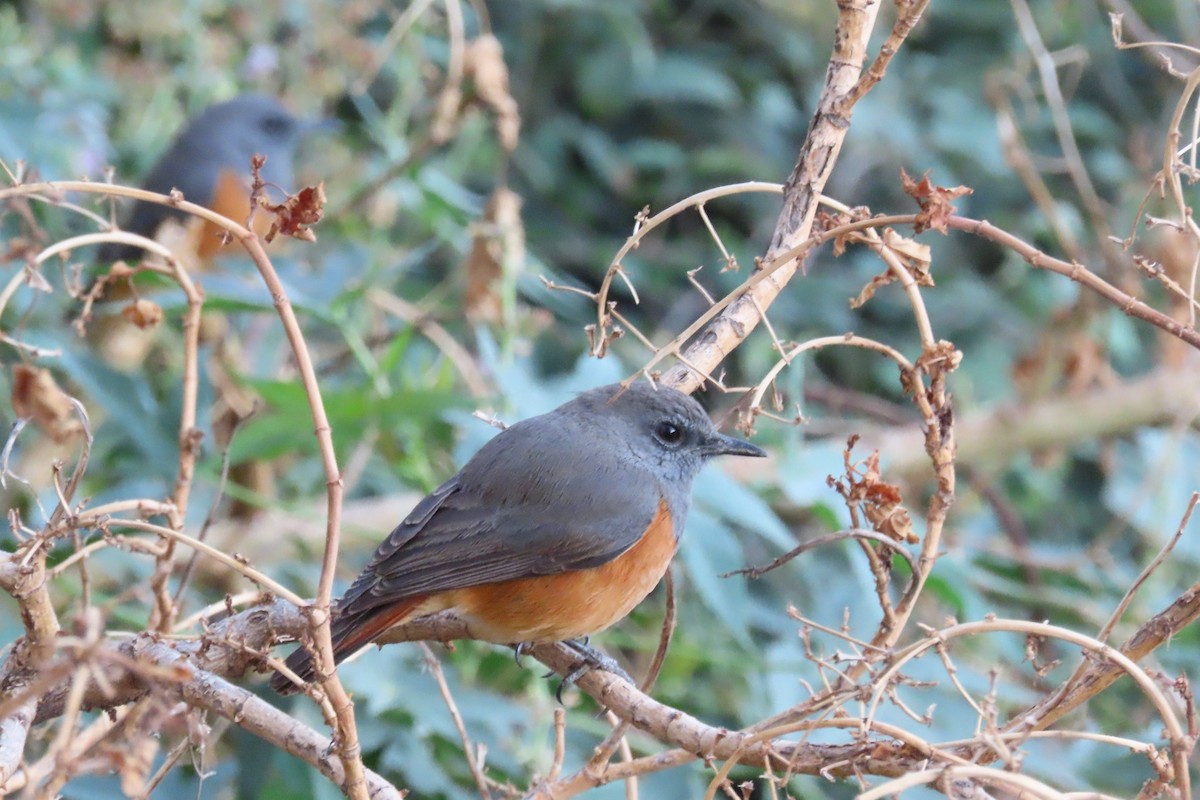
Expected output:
(534, 501)
(192, 165)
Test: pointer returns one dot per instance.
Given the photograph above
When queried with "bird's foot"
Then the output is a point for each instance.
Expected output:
(590, 659)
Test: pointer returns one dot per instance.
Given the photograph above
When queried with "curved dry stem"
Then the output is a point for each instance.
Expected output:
(10, 288)
(1078, 273)
(903, 276)
(82, 554)
(797, 253)
(109, 237)
(346, 734)
(87, 213)
(241, 567)
(1139, 747)
(469, 753)
(811, 544)
(697, 201)
(1149, 569)
(918, 745)
(1124, 16)
(831, 123)
(1170, 174)
(56, 188)
(67, 493)
(848, 339)
(1176, 735)
(1023, 784)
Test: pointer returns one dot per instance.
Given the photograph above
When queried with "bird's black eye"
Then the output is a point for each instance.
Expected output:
(669, 433)
(276, 124)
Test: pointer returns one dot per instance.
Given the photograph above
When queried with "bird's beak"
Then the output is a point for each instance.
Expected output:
(722, 445)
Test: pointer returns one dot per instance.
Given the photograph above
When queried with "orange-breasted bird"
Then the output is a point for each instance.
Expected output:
(557, 528)
(209, 162)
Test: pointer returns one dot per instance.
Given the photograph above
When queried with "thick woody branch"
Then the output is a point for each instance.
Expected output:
(235, 644)
(827, 131)
(23, 575)
(990, 438)
(1099, 674)
(228, 649)
(346, 738)
(667, 724)
(260, 718)
(14, 731)
(201, 688)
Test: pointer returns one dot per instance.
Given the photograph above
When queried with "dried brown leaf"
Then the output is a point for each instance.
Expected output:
(881, 503)
(934, 201)
(499, 240)
(294, 215)
(868, 291)
(446, 115)
(825, 221)
(143, 313)
(914, 255)
(484, 65)
(37, 397)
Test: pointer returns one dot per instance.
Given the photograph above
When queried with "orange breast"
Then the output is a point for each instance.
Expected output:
(572, 604)
(231, 198)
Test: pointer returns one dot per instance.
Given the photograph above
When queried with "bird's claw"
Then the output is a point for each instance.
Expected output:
(590, 659)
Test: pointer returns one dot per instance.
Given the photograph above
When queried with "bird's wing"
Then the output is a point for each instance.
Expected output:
(179, 168)
(537, 517)
(192, 173)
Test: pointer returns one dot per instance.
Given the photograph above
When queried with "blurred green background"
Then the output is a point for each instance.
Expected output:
(625, 105)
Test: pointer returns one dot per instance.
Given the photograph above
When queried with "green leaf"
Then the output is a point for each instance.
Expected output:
(708, 550)
(677, 78)
(738, 505)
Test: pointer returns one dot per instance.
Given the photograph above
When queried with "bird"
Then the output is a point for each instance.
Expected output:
(556, 529)
(209, 162)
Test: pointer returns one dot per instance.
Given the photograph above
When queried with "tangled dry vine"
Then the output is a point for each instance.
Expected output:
(55, 672)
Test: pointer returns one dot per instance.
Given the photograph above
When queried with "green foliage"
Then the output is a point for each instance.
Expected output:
(624, 105)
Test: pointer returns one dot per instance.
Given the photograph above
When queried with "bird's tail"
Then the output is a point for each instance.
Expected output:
(350, 632)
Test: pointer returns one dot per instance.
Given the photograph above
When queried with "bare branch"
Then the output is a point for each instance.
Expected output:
(830, 124)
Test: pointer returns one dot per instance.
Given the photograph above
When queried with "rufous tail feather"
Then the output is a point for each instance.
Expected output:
(349, 634)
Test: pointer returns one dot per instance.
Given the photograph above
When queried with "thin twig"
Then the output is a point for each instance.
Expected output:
(435, 667)
(821, 541)
(1149, 569)
(235, 564)
(560, 744)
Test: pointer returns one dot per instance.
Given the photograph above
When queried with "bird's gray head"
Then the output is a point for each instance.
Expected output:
(228, 134)
(250, 124)
(665, 430)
